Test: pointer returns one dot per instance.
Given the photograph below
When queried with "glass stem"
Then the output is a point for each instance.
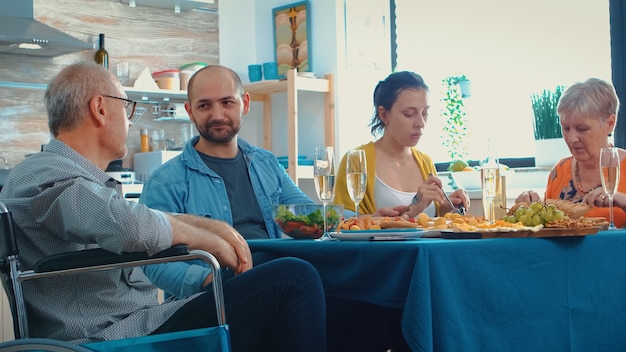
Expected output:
(356, 210)
(611, 224)
(325, 231)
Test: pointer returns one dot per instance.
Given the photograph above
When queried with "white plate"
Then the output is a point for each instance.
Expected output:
(390, 234)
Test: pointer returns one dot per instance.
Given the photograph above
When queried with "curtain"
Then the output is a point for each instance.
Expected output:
(617, 16)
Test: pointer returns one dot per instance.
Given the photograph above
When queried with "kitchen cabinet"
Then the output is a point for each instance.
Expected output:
(262, 92)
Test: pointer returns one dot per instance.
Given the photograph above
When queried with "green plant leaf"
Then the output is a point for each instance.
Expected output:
(455, 129)
(546, 124)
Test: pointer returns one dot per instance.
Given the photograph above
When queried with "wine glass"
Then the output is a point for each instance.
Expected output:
(609, 174)
(356, 176)
(489, 175)
(324, 179)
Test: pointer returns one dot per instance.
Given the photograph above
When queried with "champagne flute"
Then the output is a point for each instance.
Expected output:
(356, 176)
(324, 179)
(609, 174)
(489, 177)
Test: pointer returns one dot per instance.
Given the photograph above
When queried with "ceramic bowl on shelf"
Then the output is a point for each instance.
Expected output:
(307, 74)
(305, 221)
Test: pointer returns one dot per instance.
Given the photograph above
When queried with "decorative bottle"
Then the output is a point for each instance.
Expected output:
(102, 56)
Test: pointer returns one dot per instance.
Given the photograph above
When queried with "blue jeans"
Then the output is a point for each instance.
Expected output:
(276, 306)
(356, 326)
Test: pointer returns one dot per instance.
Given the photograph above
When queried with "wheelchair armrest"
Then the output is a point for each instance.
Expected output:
(99, 256)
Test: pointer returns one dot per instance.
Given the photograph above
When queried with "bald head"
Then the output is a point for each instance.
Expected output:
(205, 73)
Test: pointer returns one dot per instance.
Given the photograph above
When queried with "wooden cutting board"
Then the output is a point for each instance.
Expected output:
(545, 232)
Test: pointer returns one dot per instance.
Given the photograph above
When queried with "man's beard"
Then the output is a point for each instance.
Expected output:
(223, 136)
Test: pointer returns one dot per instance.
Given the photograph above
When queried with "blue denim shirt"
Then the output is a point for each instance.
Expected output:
(187, 185)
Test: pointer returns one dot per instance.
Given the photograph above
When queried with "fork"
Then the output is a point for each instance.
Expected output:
(459, 210)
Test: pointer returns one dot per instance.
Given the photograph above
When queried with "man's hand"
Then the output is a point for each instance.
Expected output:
(215, 237)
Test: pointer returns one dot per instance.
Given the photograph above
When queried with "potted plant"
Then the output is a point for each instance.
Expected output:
(465, 86)
(549, 144)
(546, 120)
(456, 128)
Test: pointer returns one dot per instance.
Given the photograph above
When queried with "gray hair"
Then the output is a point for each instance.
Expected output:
(594, 97)
(67, 96)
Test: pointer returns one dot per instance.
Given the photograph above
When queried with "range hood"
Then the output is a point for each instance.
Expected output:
(21, 34)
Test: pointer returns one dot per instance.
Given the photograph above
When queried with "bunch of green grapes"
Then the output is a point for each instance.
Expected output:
(534, 214)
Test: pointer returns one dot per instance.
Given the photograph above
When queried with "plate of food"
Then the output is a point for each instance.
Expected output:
(541, 233)
(389, 234)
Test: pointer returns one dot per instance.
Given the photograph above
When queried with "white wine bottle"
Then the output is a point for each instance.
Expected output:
(102, 56)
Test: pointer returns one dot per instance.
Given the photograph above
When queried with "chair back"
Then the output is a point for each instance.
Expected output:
(9, 265)
(8, 242)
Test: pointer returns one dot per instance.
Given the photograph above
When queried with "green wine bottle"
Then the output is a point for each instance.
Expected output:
(102, 56)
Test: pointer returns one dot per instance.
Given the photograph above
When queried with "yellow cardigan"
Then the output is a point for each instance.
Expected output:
(368, 204)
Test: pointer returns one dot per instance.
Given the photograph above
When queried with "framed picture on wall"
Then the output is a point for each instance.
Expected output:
(292, 37)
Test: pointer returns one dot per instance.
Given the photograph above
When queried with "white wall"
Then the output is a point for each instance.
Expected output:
(509, 49)
(349, 38)
(246, 37)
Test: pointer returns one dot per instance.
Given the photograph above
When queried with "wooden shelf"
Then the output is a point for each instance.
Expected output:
(259, 90)
(155, 96)
(181, 5)
(262, 92)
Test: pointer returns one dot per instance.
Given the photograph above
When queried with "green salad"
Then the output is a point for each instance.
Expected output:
(305, 225)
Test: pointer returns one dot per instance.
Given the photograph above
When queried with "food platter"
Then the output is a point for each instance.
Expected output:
(384, 234)
(544, 232)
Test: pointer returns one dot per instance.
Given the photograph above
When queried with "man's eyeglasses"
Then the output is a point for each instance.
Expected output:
(130, 106)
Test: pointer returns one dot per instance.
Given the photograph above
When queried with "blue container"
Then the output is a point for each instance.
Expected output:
(270, 70)
(255, 73)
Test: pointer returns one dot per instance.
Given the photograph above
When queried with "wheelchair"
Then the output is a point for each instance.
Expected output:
(207, 339)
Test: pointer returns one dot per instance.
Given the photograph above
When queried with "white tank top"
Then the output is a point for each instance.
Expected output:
(387, 197)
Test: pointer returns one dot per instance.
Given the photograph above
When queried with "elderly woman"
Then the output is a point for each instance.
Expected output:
(588, 113)
(400, 178)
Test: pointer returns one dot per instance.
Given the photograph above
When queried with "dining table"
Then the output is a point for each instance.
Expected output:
(565, 293)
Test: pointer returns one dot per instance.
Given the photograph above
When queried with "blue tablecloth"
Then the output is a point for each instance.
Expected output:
(504, 294)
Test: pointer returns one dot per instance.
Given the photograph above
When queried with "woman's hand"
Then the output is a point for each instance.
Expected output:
(619, 200)
(429, 191)
(460, 198)
(395, 211)
(528, 197)
(596, 198)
